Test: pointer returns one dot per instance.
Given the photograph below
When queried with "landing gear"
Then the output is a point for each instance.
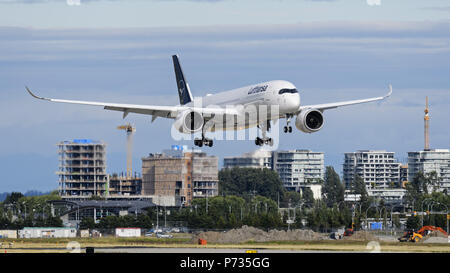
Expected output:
(288, 128)
(204, 141)
(264, 140)
(260, 141)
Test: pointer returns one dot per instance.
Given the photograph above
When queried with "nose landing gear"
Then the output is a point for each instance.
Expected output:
(287, 129)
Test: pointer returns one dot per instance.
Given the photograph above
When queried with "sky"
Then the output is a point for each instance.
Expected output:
(120, 51)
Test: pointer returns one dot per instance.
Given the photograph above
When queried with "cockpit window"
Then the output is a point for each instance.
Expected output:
(282, 91)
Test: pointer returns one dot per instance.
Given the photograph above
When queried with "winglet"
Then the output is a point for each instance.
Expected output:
(31, 93)
(390, 91)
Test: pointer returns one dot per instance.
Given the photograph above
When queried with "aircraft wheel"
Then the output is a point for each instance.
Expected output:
(258, 141)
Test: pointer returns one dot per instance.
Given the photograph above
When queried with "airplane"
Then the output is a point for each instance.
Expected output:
(235, 109)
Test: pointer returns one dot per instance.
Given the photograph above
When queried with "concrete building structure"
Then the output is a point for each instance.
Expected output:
(258, 159)
(403, 175)
(124, 186)
(380, 171)
(205, 175)
(183, 174)
(82, 168)
(426, 161)
(299, 169)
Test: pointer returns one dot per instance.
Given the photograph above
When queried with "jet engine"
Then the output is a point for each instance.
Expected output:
(189, 122)
(309, 121)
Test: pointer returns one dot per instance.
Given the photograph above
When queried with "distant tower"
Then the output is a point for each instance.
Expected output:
(427, 127)
(130, 130)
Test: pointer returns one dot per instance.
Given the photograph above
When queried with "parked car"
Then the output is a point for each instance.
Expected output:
(176, 230)
(164, 235)
(156, 230)
(148, 234)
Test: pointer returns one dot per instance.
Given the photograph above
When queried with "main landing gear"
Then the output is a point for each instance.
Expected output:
(261, 141)
(264, 140)
(203, 141)
(288, 128)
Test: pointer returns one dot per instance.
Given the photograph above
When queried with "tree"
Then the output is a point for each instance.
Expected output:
(413, 222)
(421, 185)
(359, 187)
(87, 223)
(333, 190)
(307, 196)
(290, 196)
(247, 182)
(13, 198)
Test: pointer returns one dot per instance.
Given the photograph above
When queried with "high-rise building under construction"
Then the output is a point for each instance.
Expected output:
(82, 168)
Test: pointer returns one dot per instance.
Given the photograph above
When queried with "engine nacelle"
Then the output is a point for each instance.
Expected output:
(309, 121)
(189, 122)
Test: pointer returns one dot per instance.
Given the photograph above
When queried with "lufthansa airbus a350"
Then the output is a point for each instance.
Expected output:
(235, 109)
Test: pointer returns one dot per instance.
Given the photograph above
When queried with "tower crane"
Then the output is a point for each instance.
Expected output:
(427, 126)
(129, 129)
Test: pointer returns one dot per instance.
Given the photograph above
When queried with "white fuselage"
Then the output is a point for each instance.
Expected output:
(253, 99)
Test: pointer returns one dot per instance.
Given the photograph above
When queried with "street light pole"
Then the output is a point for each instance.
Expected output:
(421, 208)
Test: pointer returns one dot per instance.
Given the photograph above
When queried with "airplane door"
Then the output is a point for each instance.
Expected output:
(277, 96)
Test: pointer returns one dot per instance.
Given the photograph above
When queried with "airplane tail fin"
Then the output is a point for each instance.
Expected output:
(183, 87)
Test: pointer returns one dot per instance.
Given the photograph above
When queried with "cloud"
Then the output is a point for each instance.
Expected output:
(445, 8)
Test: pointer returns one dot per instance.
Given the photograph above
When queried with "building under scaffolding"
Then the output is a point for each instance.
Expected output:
(180, 173)
(82, 168)
(120, 185)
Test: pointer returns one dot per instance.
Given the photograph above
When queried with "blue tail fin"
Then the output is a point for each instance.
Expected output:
(183, 88)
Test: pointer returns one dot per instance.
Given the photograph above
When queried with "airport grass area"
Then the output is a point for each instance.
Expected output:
(66, 245)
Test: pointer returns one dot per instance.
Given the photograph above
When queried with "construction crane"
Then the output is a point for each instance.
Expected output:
(426, 120)
(130, 130)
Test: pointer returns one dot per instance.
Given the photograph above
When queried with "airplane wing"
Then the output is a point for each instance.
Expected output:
(326, 106)
(153, 110)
